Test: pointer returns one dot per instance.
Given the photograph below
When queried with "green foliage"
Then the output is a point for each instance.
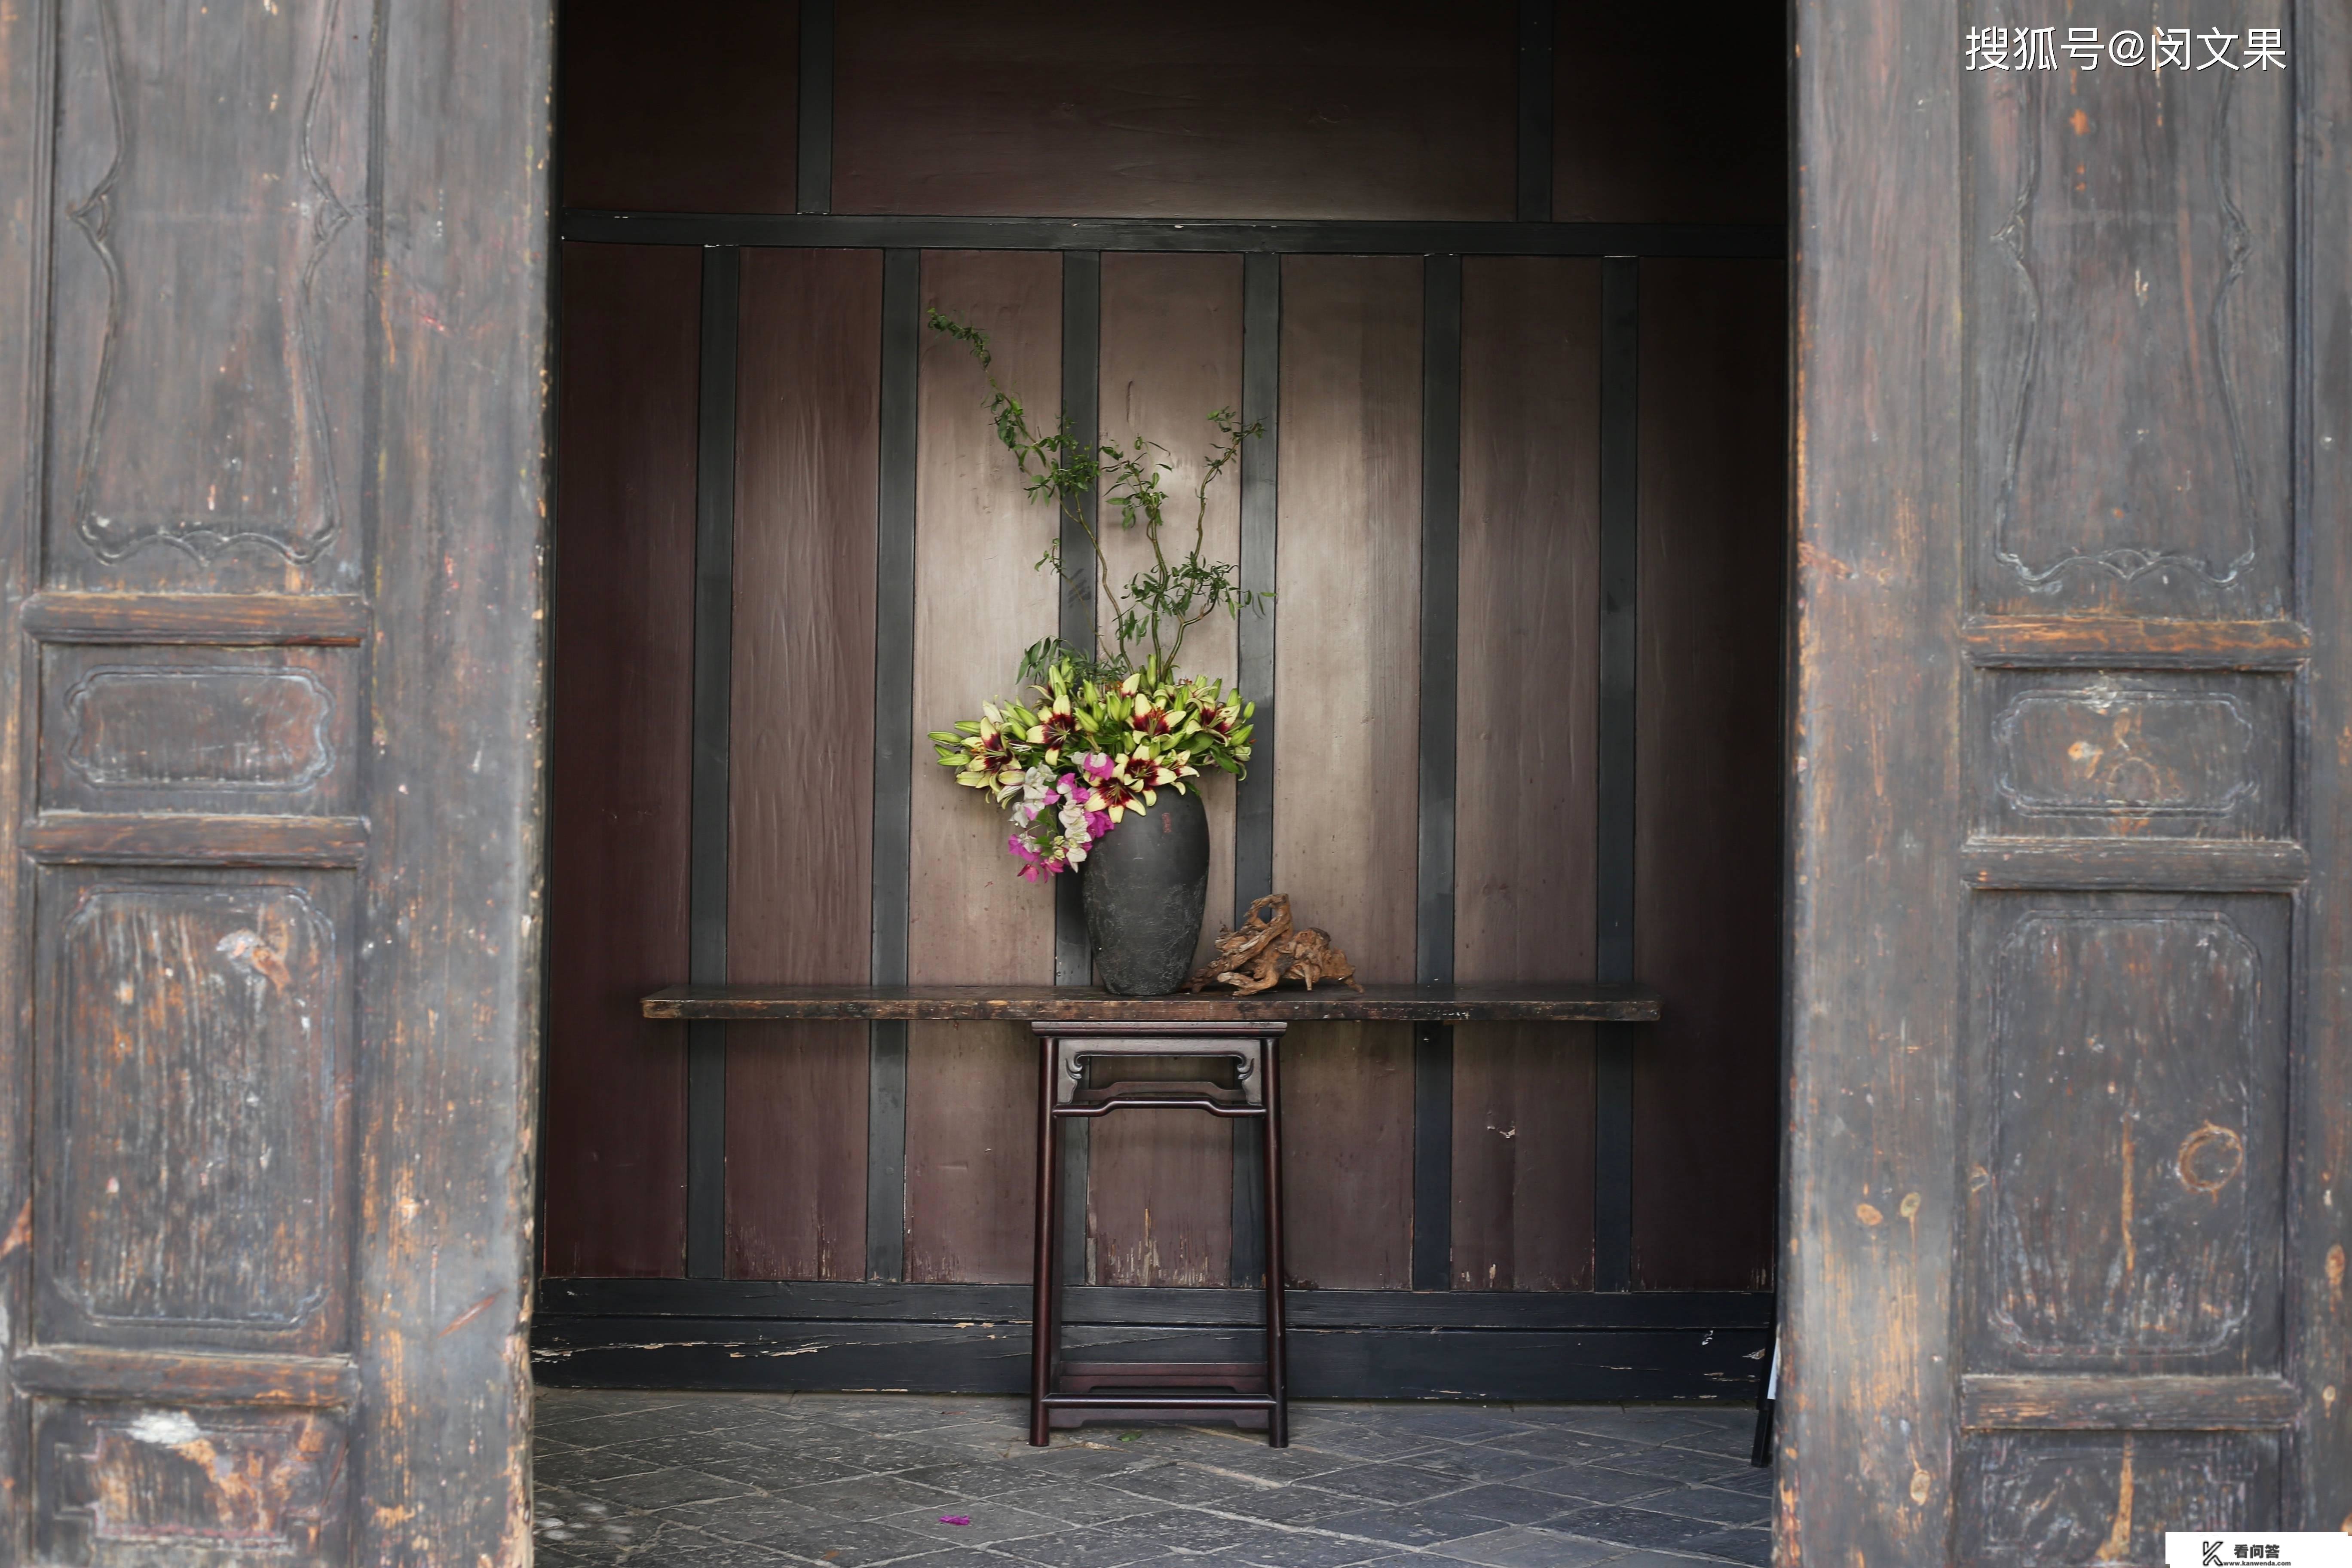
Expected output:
(1164, 601)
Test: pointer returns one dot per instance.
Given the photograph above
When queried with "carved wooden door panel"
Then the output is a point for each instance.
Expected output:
(2070, 1150)
(270, 514)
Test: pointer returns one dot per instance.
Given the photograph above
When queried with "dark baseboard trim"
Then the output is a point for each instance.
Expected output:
(874, 1300)
(975, 1339)
(738, 1353)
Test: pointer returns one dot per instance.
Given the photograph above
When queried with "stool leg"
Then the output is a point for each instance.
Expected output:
(1041, 1312)
(1277, 1346)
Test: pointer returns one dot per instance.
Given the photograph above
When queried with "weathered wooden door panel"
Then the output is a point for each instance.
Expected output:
(270, 543)
(2069, 1071)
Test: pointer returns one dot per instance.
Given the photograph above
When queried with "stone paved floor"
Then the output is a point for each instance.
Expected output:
(856, 1480)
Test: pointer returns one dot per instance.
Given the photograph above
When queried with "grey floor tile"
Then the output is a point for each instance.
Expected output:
(1522, 1547)
(1569, 1446)
(1081, 1504)
(585, 1467)
(1106, 1546)
(1587, 1483)
(871, 1497)
(1422, 1524)
(1304, 1550)
(1183, 1483)
(846, 1542)
(1397, 1483)
(1751, 1547)
(1632, 1527)
(667, 1488)
(1482, 1462)
(1675, 1464)
(1197, 1531)
(985, 1523)
(1300, 1503)
(756, 1519)
(1511, 1504)
(1715, 1503)
(1756, 1481)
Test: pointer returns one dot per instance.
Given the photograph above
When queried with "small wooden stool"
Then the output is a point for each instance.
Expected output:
(1067, 1394)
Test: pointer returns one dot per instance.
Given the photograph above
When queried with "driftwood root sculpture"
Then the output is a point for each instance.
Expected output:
(1268, 950)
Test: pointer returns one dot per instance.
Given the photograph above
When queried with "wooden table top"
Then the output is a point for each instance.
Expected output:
(1552, 1004)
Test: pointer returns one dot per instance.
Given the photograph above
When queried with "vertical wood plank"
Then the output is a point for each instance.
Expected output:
(1865, 1422)
(1345, 832)
(1706, 857)
(2319, 1325)
(688, 107)
(802, 751)
(449, 1002)
(27, 77)
(1614, 802)
(1161, 1205)
(1530, 679)
(614, 1178)
(970, 1140)
(714, 642)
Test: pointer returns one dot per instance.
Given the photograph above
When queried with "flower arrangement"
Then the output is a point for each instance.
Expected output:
(1114, 723)
(1072, 767)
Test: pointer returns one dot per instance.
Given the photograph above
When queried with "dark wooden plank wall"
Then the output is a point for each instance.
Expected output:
(1669, 114)
(1027, 130)
(971, 1120)
(1295, 109)
(1160, 1188)
(685, 106)
(801, 753)
(1349, 566)
(1525, 780)
(614, 1112)
(1706, 901)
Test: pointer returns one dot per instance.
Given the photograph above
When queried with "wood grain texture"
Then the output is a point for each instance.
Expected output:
(1670, 116)
(210, 278)
(2130, 263)
(2088, 1497)
(1529, 690)
(171, 1377)
(1160, 1187)
(971, 1143)
(688, 107)
(452, 889)
(613, 1177)
(27, 69)
(2127, 1074)
(1706, 901)
(800, 837)
(2319, 1310)
(1347, 675)
(1300, 108)
(1993, 1402)
(1866, 1419)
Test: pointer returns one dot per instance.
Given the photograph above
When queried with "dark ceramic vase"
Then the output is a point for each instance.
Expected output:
(1146, 886)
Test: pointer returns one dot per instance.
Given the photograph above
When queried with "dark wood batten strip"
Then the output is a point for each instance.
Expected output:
(894, 756)
(2059, 1402)
(1498, 1002)
(215, 620)
(1613, 878)
(2183, 865)
(1712, 1364)
(181, 1377)
(714, 656)
(1300, 236)
(93, 838)
(825, 1300)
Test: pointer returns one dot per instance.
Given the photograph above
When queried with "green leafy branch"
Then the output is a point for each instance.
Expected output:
(1161, 603)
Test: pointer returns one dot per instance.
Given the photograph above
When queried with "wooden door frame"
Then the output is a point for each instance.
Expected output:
(1873, 1403)
(431, 1376)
